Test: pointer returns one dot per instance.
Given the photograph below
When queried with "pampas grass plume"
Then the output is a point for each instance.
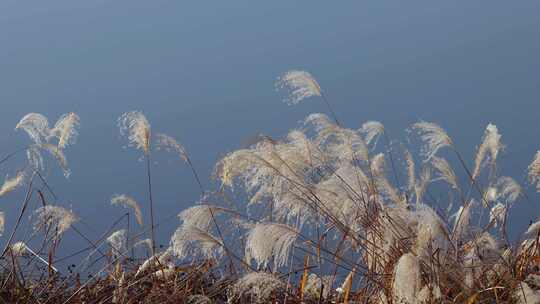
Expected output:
(300, 85)
(128, 202)
(267, 240)
(433, 136)
(10, 184)
(136, 127)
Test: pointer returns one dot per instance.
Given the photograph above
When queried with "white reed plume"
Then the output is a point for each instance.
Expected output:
(248, 166)
(490, 195)
(65, 130)
(271, 170)
(337, 142)
(200, 216)
(128, 202)
(190, 242)
(533, 171)
(18, 249)
(304, 147)
(118, 242)
(145, 242)
(57, 217)
(497, 214)
(36, 126)
(407, 279)
(431, 232)
(421, 184)
(446, 173)
(166, 256)
(165, 273)
(267, 240)
(388, 190)
(136, 127)
(509, 189)
(228, 168)
(491, 145)
(335, 192)
(160, 259)
(2, 222)
(463, 219)
(34, 157)
(300, 85)
(257, 287)
(372, 130)
(170, 144)
(377, 165)
(433, 136)
(10, 184)
(321, 123)
(59, 156)
(147, 264)
(533, 229)
(411, 170)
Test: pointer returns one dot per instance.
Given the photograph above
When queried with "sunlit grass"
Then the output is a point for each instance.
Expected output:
(327, 214)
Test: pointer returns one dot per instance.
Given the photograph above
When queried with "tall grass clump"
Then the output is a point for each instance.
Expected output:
(326, 214)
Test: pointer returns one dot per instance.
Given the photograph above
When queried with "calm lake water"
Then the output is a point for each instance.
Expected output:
(204, 72)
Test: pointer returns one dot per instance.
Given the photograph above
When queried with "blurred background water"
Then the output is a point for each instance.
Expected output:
(203, 72)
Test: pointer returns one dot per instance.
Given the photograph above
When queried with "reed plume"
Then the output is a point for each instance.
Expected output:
(463, 219)
(34, 158)
(257, 287)
(2, 222)
(534, 171)
(372, 130)
(490, 146)
(59, 218)
(192, 242)
(59, 155)
(159, 259)
(200, 216)
(433, 136)
(118, 242)
(411, 170)
(270, 240)
(10, 184)
(18, 249)
(407, 279)
(299, 84)
(497, 214)
(171, 145)
(316, 208)
(128, 202)
(65, 130)
(136, 127)
(509, 189)
(422, 184)
(144, 242)
(36, 126)
(446, 173)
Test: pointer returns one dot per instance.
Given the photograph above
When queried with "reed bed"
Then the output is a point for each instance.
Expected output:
(327, 214)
